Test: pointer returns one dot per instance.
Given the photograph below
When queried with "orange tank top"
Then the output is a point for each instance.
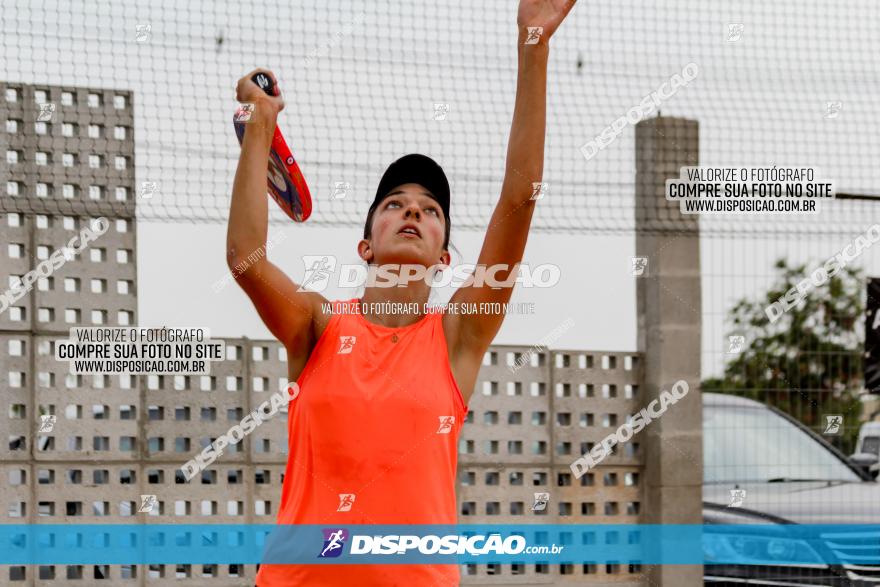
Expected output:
(372, 439)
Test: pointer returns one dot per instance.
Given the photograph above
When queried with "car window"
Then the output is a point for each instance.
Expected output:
(871, 444)
(753, 444)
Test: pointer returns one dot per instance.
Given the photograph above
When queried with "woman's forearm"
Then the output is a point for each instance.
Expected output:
(249, 209)
(525, 147)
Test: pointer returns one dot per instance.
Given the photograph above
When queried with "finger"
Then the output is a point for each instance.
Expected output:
(238, 88)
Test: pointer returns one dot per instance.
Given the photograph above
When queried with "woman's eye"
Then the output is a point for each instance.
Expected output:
(434, 210)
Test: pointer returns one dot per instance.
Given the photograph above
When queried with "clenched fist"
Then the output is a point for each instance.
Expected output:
(266, 107)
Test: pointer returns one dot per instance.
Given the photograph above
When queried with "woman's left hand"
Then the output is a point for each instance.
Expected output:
(547, 14)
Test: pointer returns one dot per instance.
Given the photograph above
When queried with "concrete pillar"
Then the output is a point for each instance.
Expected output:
(669, 315)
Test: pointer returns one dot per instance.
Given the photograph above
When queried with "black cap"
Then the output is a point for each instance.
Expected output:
(415, 168)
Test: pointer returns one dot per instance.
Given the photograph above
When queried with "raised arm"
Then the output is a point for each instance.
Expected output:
(508, 229)
(289, 314)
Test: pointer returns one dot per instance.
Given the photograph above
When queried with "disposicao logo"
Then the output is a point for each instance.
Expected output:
(334, 542)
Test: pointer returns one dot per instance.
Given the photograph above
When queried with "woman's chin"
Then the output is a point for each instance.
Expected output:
(404, 254)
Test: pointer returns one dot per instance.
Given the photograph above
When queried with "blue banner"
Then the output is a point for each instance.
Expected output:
(760, 544)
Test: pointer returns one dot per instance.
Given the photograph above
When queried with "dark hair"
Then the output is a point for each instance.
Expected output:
(368, 227)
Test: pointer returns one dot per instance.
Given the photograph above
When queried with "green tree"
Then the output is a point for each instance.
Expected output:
(809, 362)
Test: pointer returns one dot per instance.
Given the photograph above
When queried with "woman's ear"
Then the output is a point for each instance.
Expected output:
(365, 251)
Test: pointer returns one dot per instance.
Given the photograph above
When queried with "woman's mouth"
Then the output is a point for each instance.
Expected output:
(409, 231)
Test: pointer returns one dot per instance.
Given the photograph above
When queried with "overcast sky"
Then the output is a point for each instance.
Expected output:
(367, 96)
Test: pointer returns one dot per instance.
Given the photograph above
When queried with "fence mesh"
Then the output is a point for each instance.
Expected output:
(779, 84)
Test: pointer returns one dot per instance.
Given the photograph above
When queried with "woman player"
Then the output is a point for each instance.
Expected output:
(373, 433)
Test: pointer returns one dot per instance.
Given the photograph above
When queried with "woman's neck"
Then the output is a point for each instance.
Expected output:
(394, 307)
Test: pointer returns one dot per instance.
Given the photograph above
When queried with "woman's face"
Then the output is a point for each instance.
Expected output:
(408, 206)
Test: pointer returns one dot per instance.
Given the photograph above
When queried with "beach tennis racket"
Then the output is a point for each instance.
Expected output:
(287, 186)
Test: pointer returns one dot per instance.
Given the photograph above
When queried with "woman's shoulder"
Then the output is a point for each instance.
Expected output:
(333, 310)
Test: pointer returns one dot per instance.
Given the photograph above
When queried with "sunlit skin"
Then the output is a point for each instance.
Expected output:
(302, 319)
(297, 316)
(408, 204)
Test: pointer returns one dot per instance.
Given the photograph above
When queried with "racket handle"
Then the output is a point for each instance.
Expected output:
(265, 82)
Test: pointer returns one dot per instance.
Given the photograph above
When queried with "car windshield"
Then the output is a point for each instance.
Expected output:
(753, 444)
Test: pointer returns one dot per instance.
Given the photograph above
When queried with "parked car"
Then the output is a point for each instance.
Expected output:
(868, 447)
(781, 472)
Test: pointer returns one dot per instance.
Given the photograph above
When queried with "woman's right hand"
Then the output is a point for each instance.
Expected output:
(265, 106)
